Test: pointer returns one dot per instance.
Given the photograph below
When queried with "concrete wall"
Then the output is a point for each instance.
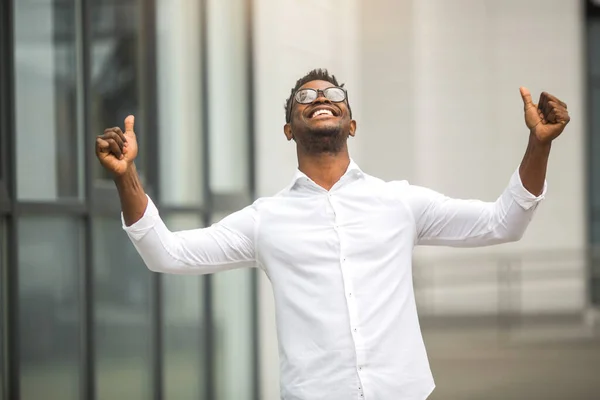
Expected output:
(453, 70)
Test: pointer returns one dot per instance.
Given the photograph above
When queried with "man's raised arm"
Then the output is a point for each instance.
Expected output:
(441, 220)
(225, 245)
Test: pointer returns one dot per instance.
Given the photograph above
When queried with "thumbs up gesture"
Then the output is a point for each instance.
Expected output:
(547, 119)
(117, 150)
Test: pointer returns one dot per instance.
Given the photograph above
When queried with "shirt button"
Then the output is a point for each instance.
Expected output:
(354, 329)
(349, 294)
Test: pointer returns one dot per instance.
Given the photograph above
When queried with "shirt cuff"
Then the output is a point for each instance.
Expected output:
(138, 229)
(521, 195)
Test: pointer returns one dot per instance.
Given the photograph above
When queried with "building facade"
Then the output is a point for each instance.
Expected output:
(434, 88)
(82, 318)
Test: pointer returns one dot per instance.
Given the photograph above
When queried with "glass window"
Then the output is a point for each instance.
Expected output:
(48, 146)
(117, 70)
(594, 132)
(122, 315)
(3, 105)
(2, 305)
(594, 47)
(234, 341)
(50, 254)
(179, 101)
(184, 326)
(228, 91)
(595, 164)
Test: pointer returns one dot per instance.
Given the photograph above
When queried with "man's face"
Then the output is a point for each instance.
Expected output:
(321, 126)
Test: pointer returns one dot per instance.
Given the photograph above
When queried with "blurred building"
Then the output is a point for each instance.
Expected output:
(434, 88)
(84, 318)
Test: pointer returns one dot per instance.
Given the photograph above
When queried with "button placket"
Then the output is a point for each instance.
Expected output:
(350, 297)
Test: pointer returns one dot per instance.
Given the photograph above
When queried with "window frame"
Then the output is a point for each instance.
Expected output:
(9, 300)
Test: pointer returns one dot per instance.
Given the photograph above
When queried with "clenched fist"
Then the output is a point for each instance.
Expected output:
(547, 119)
(117, 150)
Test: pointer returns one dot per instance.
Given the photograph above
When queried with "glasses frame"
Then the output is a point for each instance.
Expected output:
(295, 100)
(323, 92)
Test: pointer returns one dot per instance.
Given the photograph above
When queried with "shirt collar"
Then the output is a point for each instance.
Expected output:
(352, 173)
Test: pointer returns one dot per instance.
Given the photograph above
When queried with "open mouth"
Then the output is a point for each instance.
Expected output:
(322, 112)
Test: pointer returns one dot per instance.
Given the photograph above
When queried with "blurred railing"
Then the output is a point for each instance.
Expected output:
(509, 289)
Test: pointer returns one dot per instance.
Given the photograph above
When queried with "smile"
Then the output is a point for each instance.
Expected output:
(322, 112)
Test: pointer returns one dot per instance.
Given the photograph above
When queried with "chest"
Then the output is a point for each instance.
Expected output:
(322, 228)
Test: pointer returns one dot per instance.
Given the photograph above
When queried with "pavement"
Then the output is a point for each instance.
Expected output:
(527, 361)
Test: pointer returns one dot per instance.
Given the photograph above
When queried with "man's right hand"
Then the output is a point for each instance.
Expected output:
(117, 150)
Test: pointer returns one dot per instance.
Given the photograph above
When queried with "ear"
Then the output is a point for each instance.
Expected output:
(287, 130)
(352, 128)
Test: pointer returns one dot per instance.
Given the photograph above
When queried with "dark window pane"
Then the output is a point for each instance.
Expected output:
(122, 311)
(594, 47)
(595, 165)
(3, 102)
(48, 146)
(117, 70)
(594, 193)
(2, 281)
(184, 327)
(50, 250)
(594, 131)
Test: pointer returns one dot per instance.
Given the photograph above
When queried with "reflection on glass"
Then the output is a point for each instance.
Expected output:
(122, 315)
(184, 327)
(228, 91)
(46, 100)
(179, 101)
(232, 330)
(50, 250)
(116, 69)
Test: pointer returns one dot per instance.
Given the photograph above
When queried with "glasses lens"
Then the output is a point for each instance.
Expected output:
(335, 94)
(306, 96)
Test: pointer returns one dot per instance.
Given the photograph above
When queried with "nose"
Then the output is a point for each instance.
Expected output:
(321, 98)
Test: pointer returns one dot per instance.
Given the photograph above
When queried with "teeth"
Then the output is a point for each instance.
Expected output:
(320, 112)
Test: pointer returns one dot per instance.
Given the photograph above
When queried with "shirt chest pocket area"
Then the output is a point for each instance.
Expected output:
(375, 227)
(320, 231)
(300, 233)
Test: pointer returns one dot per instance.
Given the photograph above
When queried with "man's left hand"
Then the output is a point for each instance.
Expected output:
(547, 119)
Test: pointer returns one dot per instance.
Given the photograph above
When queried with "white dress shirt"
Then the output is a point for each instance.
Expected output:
(340, 266)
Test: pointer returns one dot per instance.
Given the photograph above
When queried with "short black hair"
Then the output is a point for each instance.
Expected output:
(319, 74)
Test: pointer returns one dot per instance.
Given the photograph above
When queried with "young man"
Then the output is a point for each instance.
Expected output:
(337, 245)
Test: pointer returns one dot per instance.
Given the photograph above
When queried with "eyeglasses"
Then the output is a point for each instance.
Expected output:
(307, 96)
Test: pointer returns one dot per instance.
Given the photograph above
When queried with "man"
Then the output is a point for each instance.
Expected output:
(337, 245)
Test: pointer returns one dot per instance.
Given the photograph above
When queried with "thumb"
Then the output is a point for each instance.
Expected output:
(526, 97)
(129, 123)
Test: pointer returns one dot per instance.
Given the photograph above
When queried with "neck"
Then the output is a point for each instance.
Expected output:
(324, 169)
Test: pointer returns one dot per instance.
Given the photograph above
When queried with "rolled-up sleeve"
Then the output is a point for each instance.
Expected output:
(441, 220)
(225, 245)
